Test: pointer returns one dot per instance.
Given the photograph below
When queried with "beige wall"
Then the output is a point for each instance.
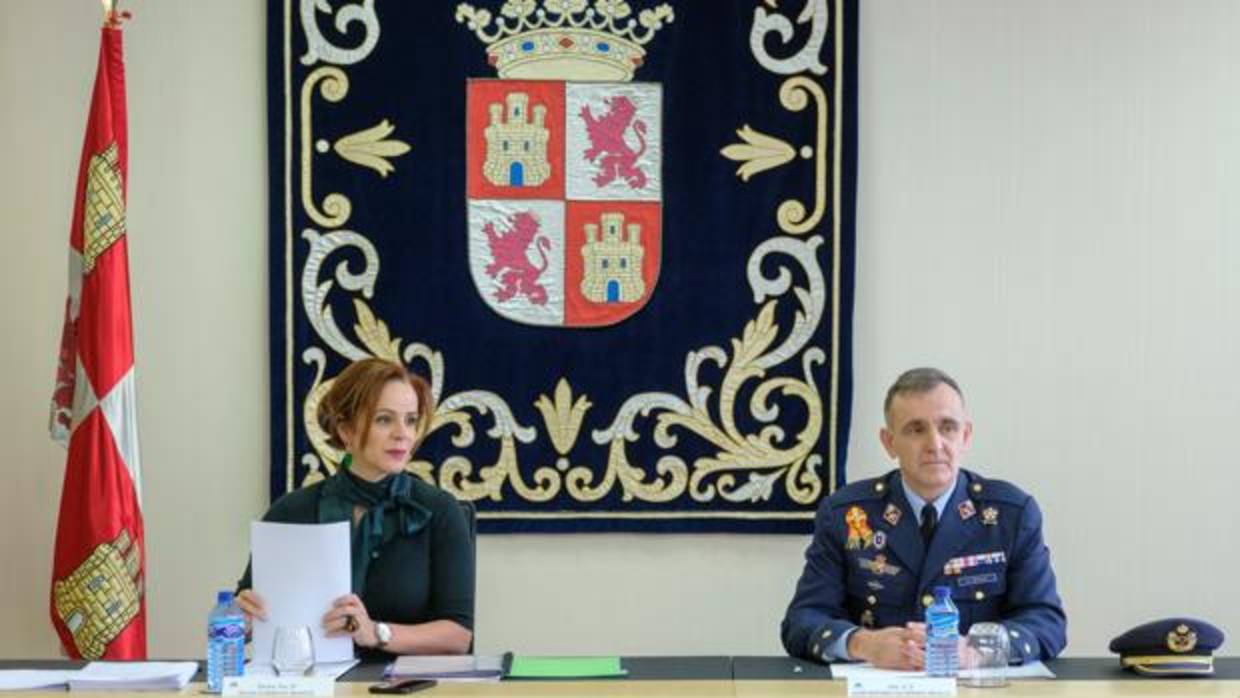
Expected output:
(1047, 207)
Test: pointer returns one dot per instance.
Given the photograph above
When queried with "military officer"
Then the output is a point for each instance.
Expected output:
(880, 546)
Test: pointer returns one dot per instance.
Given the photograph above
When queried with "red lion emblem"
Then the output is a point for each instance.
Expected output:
(607, 146)
(510, 265)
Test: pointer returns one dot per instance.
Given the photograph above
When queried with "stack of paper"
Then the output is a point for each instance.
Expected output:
(1028, 670)
(448, 668)
(31, 679)
(133, 676)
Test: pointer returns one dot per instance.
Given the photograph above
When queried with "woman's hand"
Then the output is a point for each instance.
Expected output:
(252, 605)
(348, 616)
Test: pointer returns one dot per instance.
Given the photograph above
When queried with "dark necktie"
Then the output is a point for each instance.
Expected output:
(929, 519)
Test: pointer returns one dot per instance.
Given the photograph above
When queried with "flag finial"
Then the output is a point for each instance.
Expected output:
(112, 15)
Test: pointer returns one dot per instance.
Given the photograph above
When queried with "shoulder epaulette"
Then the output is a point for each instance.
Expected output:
(995, 490)
(861, 490)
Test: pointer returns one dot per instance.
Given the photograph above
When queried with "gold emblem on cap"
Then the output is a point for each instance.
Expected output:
(1182, 639)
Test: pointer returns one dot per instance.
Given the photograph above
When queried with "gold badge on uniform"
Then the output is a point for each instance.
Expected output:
(966, 510)
(892, 514)
(867, 618)
(990, 516)
(1182, 639)
(859, 533)
(878, 565)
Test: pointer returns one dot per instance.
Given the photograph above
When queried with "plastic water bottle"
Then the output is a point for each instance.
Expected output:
(225, 641)
(942, 635)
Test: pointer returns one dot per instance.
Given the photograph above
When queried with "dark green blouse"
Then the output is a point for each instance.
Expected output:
(419, 578)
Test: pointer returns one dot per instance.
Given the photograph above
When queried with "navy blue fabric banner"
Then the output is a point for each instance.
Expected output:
(617, 237)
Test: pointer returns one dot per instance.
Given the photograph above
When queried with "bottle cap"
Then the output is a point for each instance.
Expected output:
(941, 593)
(224, 597)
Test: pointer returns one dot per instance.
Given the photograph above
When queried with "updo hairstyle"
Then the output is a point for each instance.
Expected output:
(355, 393)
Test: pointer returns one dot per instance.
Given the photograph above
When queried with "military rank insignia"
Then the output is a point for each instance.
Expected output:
(878, 566)
(891, 514)
(990, 516)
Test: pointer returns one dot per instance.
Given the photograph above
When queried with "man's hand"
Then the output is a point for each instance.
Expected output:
(891, 648)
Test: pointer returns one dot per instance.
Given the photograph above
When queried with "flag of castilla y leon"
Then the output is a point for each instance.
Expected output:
(97, 601)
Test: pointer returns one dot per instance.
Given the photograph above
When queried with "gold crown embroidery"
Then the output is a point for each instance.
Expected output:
(565, 39)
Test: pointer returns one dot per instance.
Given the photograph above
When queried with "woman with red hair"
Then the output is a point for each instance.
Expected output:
(412, 552)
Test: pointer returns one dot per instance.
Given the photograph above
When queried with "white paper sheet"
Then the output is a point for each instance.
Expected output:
(1029, 670)
(447, 668)
(133, 676)
(332, 670)
(28, 679)
(299, 570)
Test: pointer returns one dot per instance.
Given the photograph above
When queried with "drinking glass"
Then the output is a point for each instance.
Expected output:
(984, 659)
(292, 652)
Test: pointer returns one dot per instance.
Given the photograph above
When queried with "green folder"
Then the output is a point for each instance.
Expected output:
(565, 668)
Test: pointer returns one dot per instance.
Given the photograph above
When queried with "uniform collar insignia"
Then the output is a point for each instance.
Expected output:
(891, 514)
(990, 516)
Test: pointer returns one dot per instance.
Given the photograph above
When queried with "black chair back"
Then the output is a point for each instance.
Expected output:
(471, 522)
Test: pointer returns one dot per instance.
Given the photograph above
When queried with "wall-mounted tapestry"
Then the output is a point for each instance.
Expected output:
(615, 236)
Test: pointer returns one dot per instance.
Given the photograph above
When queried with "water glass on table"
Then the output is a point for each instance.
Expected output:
(292, 651)
(984, 656)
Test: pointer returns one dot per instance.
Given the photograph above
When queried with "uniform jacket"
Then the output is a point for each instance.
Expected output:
(867, 566)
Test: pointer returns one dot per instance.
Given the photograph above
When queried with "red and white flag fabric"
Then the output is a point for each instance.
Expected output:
(97, 602)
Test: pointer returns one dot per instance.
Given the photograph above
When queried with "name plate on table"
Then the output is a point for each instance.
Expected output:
(279, 685)
(876, 685)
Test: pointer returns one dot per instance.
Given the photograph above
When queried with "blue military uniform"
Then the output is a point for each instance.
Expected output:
(867, 566)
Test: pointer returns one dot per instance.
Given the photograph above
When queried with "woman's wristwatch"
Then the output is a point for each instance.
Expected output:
(383, 633)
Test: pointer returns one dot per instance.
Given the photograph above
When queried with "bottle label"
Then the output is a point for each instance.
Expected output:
(226, 631)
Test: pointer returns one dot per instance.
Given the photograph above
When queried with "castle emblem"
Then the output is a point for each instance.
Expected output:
(516, 142)
(101, 596)
(612, 263)
(564, 161)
